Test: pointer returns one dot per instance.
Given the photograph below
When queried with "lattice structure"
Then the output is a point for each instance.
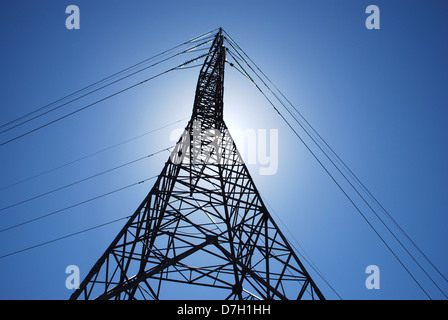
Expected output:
(203, 223)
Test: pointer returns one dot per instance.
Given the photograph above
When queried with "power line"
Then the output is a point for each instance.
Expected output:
(327, 171)
(52, 213)
(82, 180)
(61, 238)
(88, 156)
(91, 92)
(179, 67)
(75, 205)
(357, 191)
(338, 159)
(112, 77)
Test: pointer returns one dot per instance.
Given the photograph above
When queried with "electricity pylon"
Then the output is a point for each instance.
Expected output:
(203, 223)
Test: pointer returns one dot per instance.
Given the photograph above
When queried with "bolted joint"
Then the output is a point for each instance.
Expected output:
(211, 238)
(237, 289)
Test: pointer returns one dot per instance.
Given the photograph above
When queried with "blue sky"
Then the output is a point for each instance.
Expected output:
(378, 97)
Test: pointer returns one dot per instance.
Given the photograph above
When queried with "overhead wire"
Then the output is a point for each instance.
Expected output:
(78, 232)
(339, 186)
(98, 89)
(88, 156)
(82, 180)
(91, 92)
(61, 238)
(357, 191)
(178, 67)
(97, 83)
(306, 145)
(245, 73)
(74, 205)
(357, 180)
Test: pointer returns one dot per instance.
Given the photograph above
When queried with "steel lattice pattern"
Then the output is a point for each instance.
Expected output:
(203, 223)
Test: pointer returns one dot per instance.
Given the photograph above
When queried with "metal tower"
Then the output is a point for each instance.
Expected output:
(203, 222)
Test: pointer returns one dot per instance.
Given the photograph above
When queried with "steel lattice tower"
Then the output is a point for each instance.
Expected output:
(203, 222)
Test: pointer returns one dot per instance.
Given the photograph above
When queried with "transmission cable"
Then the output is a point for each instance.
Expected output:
(82, 180)
(331, 176)
(75, 205)
(201, 37)
(344, 165)
(79, 232)
(88, 156)
(61, 238)
(100, 88)
(179, 67)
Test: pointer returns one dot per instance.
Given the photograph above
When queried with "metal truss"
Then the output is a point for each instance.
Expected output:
(203, 223)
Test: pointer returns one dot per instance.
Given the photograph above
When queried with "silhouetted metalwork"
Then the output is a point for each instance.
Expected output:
(203, 222)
